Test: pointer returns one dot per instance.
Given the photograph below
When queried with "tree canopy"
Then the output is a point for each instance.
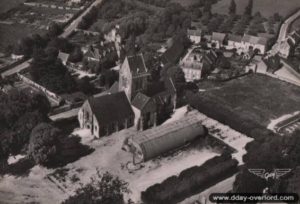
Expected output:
(104, 189)
(232, 7)
(43, 143)
(269, 153)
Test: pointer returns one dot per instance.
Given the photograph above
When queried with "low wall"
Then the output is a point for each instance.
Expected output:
(52, 96)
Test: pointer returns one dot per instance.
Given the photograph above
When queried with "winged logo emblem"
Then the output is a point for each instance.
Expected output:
(275, 174)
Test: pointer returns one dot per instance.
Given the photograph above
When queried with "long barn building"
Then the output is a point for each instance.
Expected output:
(157, 141)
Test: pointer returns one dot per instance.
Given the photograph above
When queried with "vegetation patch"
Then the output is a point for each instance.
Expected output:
(191, 181)
(249, 103)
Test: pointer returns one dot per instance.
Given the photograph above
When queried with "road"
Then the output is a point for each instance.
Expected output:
(69, 29)
(284, 29)
(285, 26)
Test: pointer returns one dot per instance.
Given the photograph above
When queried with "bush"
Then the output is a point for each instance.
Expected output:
(191, 181)
(43, 143)
(106, 189)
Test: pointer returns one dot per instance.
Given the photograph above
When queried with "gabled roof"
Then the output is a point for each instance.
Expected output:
(63, 56)
(173, 54)
(137, 64)
(234, 38)
(255, 40)
(111, 107)
(170, 86)
(211, 57)
(218, 36)
(140, 100)
(114, 88)
(196, 32)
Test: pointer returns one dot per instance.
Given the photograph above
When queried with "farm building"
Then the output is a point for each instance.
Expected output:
(162, 139)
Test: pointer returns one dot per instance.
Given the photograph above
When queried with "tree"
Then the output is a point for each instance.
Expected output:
(43, 143)
(54, 30)
(268, 153)
(104, 189)
(85, 86)
(277, 17)
(76, 55)
(232, 7)
(249, 7)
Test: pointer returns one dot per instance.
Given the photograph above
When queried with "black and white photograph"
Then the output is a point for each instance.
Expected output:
(149, 101)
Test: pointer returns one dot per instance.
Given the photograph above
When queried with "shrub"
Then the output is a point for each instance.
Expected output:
(43, 143)
(191, 181)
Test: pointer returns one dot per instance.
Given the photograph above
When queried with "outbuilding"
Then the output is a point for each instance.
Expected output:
(165, 138)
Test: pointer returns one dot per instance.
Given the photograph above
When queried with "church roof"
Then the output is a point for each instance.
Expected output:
(111, 107)
(140, 100)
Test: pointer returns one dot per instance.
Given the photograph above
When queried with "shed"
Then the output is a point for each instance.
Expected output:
(162, 139)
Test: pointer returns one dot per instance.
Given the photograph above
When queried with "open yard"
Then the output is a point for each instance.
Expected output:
(248, 103)
(265, 7)
(48, 186)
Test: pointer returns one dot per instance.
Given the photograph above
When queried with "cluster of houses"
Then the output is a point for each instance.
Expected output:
(229, 41)
(127, 103)
(99, 51)
(198, 63)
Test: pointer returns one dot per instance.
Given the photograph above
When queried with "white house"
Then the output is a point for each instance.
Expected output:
(194, 35)
(250, 42)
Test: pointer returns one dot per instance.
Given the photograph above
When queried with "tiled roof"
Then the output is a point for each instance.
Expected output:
(218, 36)
(63, 56)
(140, 100)
(196, 32)
(234, 38)
(254, 39)
(111, 107)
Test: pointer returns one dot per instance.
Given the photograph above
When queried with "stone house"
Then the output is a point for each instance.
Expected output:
(106, 114)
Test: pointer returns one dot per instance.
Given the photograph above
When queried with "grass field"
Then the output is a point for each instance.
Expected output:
(249, 102)
(5, 5)
(265, 7)
(10, 34)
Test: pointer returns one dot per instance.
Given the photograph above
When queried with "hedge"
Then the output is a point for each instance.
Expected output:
(191, 181)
